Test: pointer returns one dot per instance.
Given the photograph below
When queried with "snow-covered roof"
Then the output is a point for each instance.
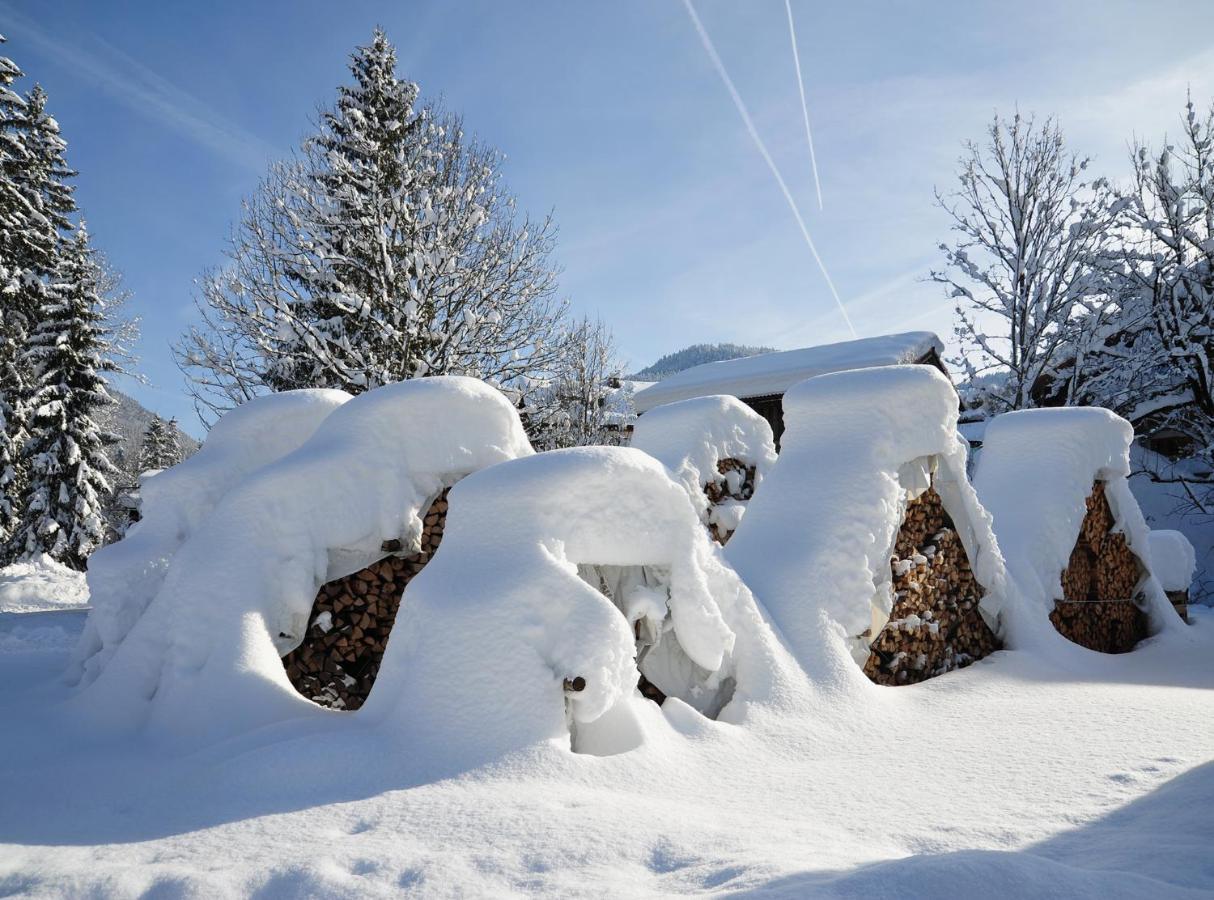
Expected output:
(774, 373)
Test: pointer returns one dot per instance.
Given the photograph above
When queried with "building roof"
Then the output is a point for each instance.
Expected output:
(773, 373)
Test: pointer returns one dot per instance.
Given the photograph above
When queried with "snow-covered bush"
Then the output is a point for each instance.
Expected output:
(818, 538)
(1035, 472)
(238, 593)
(692, 437)
(125, 576)
(556, 574)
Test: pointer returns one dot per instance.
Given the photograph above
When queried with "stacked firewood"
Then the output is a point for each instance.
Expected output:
(1180, 603)
(352, 617)
(729, 488)
(1097, 610)
(935, 625)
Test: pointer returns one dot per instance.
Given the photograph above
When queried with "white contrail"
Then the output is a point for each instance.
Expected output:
(754, 134)
(809, 135)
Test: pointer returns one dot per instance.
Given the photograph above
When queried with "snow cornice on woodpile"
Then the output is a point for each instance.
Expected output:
(773, 373)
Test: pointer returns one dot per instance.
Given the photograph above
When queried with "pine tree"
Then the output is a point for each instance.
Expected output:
(160, 449)
(65, 455)
(35, 201)
(387, 250)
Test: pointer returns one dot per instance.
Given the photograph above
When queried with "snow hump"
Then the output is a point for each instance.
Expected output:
(123, 577)
(204, 658)
(818, 538)
(1173, 559)
(773, 373)
(1035, 471)
(691, 436)
(504, 618)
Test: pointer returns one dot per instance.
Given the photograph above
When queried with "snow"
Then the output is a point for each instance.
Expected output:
(817, 540)
(1168, 506)
(1036, 469)
(189, 768)
(773, 373)
(207, 649)
(41, 584)
(511, 609)
(691, 436)
(125, 576)
(1173, 560)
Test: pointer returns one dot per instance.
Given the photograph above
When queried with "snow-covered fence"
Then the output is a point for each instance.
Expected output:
(1073, 536)
(717, 447)
(125, 576)
(871, 477)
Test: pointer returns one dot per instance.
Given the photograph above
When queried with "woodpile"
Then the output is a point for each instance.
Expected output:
(935, 625)
(738, 487)
(1097, 610)
(1180, 602)
(351, 619)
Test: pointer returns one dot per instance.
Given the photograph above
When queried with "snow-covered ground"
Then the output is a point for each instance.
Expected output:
(1015, 777)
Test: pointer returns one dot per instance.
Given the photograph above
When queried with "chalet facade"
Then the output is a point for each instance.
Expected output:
(760, 381)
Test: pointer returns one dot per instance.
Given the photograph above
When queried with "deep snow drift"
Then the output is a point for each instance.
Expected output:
(691, 437)
(1033, 475)
(125, 576)
(203, 661)
(816, 546)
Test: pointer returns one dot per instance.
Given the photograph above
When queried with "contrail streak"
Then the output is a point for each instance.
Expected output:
(754, 134)
(809, 135)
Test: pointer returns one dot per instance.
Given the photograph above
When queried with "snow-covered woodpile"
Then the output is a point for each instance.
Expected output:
(1097, 610)
(728, 496)
(1174, 562)
(1055, 481)
(351, 620)
(717, 448)
(935, 624)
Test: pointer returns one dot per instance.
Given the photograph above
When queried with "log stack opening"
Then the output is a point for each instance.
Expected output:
(1097, 609)
(336, 663)
(736, 485)
(935, 624)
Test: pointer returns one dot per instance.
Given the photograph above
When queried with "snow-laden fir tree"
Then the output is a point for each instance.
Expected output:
(65, 455)
(387, 249)
(35, 202)
(160, 449)
(1029, 295)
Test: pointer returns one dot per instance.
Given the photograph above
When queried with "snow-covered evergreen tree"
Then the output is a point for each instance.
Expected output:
(386, 250)
(35, 201)
(1029, 295)
(160, 449)
(65, 454)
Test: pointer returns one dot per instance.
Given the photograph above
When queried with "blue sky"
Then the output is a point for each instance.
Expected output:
(611, 115)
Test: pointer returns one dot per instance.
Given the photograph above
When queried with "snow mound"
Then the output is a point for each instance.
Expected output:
(691, 436)
(1034, 474)
(204, 659)
(41, 584)
(124, 576)
(1173, 559)
(553, 571)
(818, 539)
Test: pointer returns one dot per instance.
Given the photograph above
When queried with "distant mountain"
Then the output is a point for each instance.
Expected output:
(695, 355)
(129, 419)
